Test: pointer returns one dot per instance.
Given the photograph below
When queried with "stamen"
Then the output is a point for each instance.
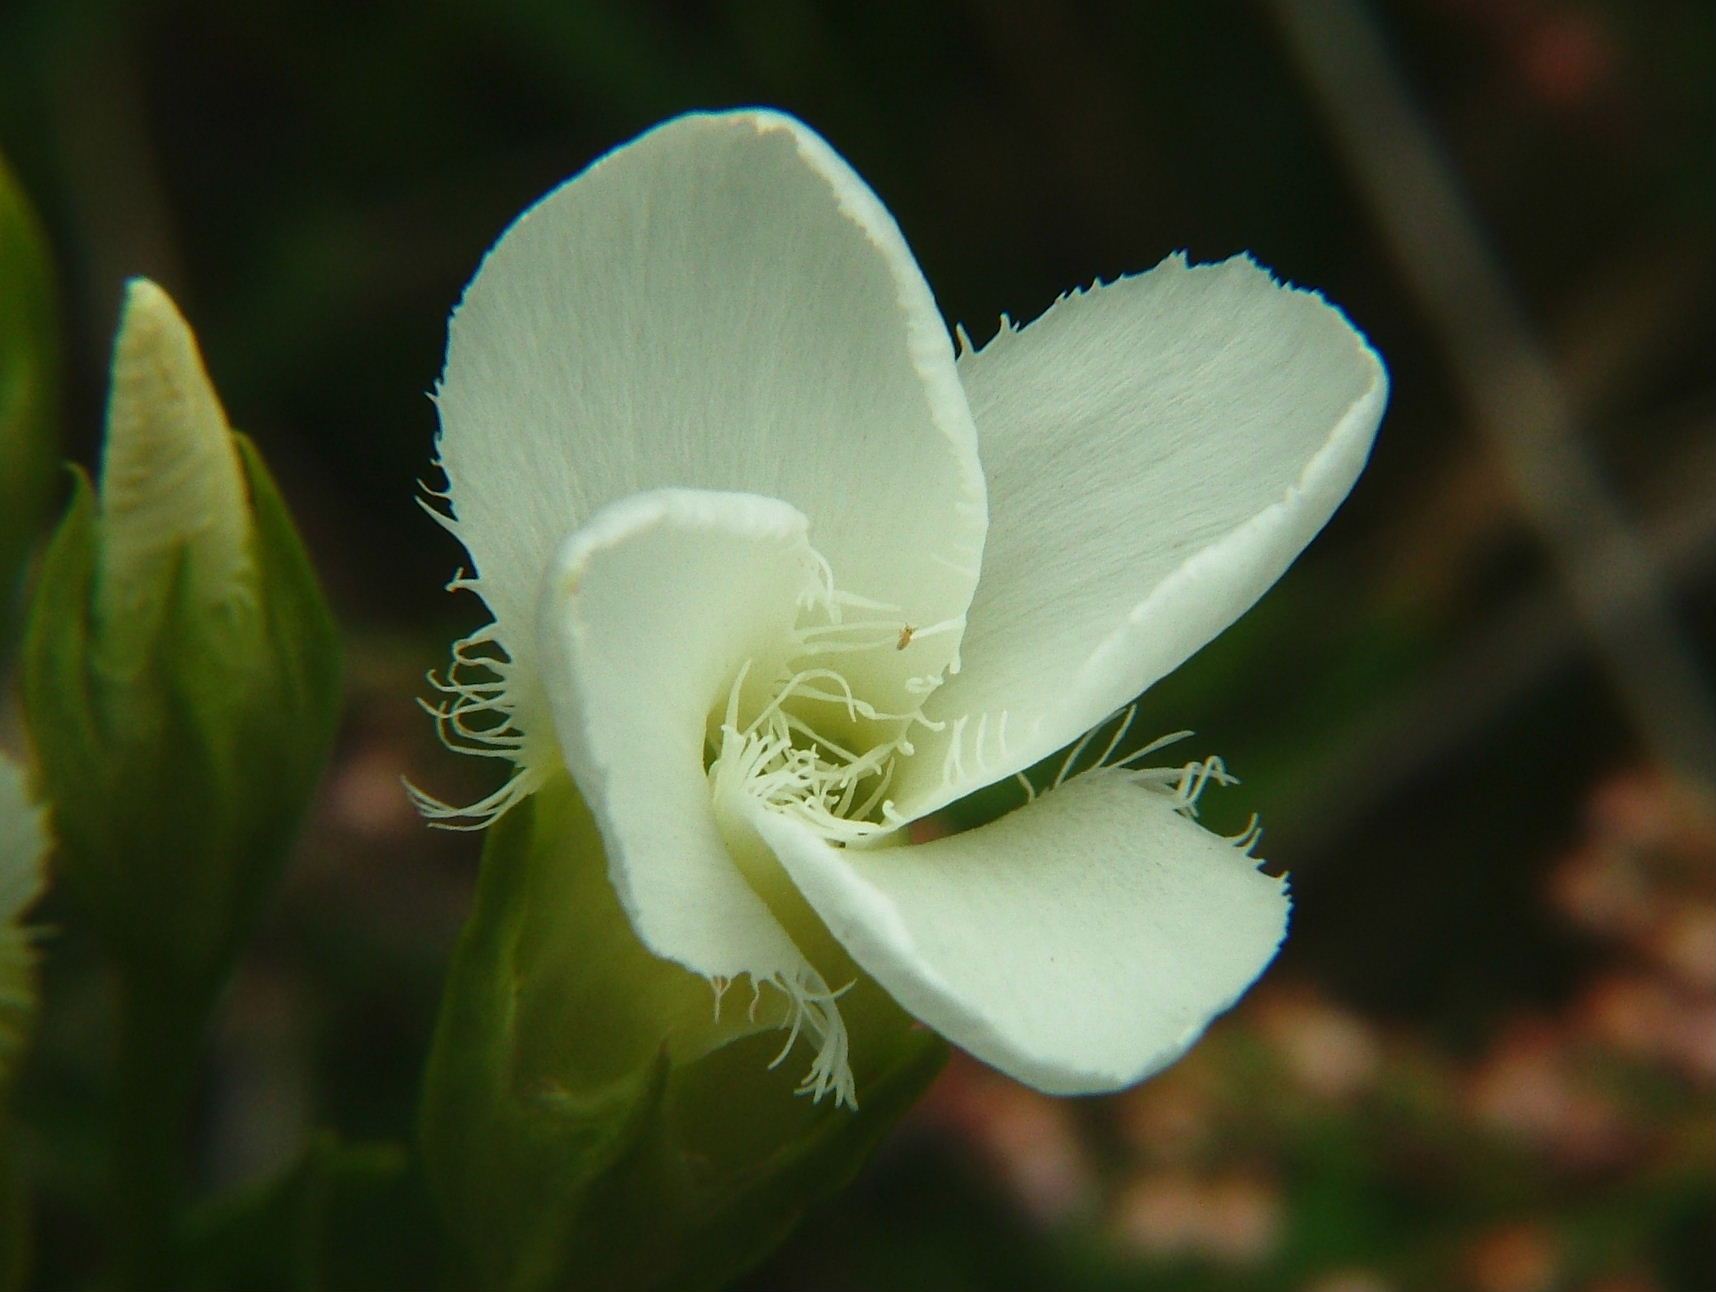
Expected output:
(938, 628)
(869, 804)
(841, 648)
(1248, 838)
(854, 601)
(1119, 735)
(1160, 743)
(1071, 758)
(483, 813)
(813, 1010)
(836, 786)
(857, 625)
(476, 718)
(1195, 776)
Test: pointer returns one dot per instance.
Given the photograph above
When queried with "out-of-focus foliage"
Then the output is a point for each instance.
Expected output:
(29, 389)
(1413, 710)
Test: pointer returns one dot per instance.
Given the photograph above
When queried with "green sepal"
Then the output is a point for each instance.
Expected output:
(29, 391)
(178, 759)
(588, 1121)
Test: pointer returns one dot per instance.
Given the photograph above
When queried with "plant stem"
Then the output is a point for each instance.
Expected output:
(160, 1035)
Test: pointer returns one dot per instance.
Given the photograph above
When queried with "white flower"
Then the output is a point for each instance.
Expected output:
(718, 469)
(23, 850)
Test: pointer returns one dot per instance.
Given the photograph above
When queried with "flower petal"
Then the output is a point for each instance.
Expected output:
(172, 486)
(721, 304)
(649, 614)
(23, 842)
(1158, 452)
(23, 849)
(1078, 944)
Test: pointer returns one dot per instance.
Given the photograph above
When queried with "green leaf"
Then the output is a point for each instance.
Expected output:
(588, 1122)
(29, 391)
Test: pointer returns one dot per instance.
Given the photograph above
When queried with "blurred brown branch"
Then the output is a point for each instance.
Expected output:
(1615, 581)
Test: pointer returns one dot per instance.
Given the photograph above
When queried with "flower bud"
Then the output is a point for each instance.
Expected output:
(181, 676)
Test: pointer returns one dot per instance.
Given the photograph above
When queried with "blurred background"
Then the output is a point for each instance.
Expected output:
(1475, 719)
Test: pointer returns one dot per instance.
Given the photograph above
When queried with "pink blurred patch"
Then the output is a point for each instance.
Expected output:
(1532, 1088)
(1517, 1258)
(1233, 1219)
(1329, 1051)
(1030, 1141)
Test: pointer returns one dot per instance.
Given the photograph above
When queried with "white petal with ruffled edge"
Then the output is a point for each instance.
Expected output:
(649, 613)
(1158, 452)
(721, 304)
(1078, 944)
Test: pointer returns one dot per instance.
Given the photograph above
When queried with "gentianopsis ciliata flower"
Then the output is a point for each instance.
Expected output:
(775, 574)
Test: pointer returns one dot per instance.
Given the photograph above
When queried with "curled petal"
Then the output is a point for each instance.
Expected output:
(649, 613)
(1078, 944)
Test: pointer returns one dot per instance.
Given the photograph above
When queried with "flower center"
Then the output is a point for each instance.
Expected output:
(803, 739)
(788, 756)
(800, 733)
